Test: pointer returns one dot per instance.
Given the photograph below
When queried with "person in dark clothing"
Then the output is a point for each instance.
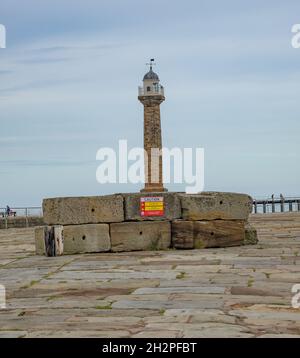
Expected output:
(8, 210)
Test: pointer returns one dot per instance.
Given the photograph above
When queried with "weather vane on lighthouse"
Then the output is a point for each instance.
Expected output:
(151, 95)
(151, 63)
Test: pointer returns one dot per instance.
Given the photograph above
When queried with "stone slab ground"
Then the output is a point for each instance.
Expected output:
(230, 292)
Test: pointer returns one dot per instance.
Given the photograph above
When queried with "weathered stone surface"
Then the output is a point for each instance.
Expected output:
(172, 207)
(214, 330)
(59, 240)
(204, 234)
(53, 238)
(83, 210)
(250, 235)
(175, 290)
(228, 292)
(152, 139)
(78, 239)
(39, 240)
(86, 238)
(183, 234)
(13, 334)
(219, 233)
(131, 236)
(215, 205)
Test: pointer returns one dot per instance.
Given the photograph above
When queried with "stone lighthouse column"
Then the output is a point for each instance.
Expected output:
(151, 95)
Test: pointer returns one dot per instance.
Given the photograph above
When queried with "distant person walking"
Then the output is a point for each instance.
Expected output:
(282, 203)
(8, 210)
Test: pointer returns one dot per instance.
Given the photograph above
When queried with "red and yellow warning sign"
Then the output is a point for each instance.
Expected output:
(152, 206)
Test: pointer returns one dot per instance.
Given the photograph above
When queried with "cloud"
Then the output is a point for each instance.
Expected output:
(55, 49)
(38, 85)
(46, 163)
(6, 72)
(42, 60)
(38, 139)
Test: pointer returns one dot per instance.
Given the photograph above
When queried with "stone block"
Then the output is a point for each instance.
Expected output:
(219, 233)
(204, 234)
(77, 239)
(83, 210)
(183, 234)
(146, 235)
(172, 207)
(39, 234)
(250, 235)
(54, 241)
(86, 238)
(215, 205)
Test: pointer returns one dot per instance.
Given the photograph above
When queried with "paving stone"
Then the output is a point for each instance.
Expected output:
(193, 315)
(274, 335)
(126, 275)
(12, 334)
(219, 292)
(160, 290)
(250, 235)
(205, 303)
(203, 329)
(157, 334)
(69, 333)
(218, 331)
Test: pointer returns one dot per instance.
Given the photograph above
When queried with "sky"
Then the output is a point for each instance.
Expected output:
(69, 78)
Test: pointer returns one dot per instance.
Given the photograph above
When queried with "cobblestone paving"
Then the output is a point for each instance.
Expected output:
(232, 292)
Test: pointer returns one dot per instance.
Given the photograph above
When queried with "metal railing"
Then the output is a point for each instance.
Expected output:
(151, 90)
(276, 205)
(23, 211)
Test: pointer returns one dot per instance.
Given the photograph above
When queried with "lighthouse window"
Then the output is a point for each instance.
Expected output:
(148, 89)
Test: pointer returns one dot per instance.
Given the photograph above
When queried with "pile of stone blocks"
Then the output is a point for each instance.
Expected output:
(114, 222)
(213, 219)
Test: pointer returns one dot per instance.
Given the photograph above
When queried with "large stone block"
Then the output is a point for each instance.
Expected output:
(146, 235)
(39, 235)
(49, 240)
(172, 207)
(183, 234)
(219, 233)
(204, 234)
(78, 239)
(83, 210)
(86, 238)
(215, 205)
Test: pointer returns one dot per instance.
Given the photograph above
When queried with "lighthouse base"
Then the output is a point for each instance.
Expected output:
(153, 189)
